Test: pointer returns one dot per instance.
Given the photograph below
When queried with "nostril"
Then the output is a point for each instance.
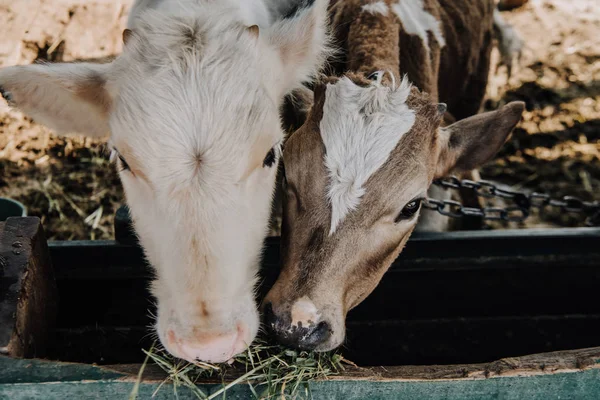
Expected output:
(318, 335)
(303, 338)
(299, 336)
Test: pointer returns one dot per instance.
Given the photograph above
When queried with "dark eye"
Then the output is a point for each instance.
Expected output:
(409, 210)
(124, 165)
(270, 158)
(374, 76)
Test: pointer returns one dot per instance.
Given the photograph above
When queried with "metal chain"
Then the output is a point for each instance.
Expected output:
(518, 212)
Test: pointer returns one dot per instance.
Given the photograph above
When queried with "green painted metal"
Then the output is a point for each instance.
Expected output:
(584, 385)
(48, 380)
(11, 208)
(34, 371)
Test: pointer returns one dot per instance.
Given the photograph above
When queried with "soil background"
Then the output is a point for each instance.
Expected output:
(69, 183)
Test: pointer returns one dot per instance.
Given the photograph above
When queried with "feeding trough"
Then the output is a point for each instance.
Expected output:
(465, 315)
(11, 208)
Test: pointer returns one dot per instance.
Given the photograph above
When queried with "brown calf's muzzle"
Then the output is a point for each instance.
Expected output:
(309, 337)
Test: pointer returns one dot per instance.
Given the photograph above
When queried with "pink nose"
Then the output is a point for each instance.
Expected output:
(213, 347)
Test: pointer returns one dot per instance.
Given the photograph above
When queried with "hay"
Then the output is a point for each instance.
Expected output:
(269, 371)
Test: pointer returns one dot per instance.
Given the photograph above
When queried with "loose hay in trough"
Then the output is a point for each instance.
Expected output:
(269, 371)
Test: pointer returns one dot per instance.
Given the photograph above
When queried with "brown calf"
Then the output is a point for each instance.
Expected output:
(356, 171)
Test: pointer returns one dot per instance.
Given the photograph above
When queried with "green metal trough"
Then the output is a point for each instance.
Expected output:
(465, 315)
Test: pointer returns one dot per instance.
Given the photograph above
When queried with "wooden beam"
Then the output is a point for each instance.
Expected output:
(531, 365)
(28, 294)
(569, 374)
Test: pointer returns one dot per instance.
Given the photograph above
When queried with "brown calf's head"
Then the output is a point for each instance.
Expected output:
(356, 172)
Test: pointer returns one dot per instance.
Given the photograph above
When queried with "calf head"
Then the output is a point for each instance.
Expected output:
(191, 108)
(355, 174)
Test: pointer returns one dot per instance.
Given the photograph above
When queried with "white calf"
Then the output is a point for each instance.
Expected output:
(191, 107)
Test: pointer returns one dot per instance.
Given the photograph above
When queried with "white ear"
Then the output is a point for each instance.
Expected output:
(302, 39)
(65, 97)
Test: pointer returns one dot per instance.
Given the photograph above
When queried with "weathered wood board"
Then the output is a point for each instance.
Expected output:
(28, 296)
(573, 375)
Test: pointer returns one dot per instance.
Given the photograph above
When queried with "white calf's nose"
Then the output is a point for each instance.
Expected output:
(219, 347)
(304, 312)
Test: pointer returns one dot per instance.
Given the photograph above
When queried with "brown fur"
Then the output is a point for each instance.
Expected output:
(203, 309)
(93, 92)
(336, 272)
(456, 74)
(253, 30)
(308, 251)
(126, 35)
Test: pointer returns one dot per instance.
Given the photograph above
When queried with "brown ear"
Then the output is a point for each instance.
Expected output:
(471, 142)
(253, 30)
(296, 106)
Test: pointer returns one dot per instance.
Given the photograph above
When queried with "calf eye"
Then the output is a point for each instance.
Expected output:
(122, 164)
(375, 75)
(409, 210)
(270, 158)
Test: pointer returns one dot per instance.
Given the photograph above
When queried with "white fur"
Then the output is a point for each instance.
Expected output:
(417, 21)
(30, 84)
(360, 128)
(195, 109)
(378, 7)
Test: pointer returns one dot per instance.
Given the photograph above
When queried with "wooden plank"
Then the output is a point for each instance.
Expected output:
(493, 294)
(14, 370)
(572, 386)
(571, 375)
(420, 342)
(483, 274)
(535, 364)
(453, 250)
(28, 294)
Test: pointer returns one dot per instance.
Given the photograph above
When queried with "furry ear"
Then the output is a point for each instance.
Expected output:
(295, 108)
(65, 97)
(301, 39)
(471, 142)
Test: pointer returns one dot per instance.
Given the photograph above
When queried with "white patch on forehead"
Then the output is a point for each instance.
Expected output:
(360, 128)
(416, 21)
(376, 8)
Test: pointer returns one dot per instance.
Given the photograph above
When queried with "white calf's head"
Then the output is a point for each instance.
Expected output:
(191, 107)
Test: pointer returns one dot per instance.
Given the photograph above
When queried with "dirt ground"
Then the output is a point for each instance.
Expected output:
(70, 184)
